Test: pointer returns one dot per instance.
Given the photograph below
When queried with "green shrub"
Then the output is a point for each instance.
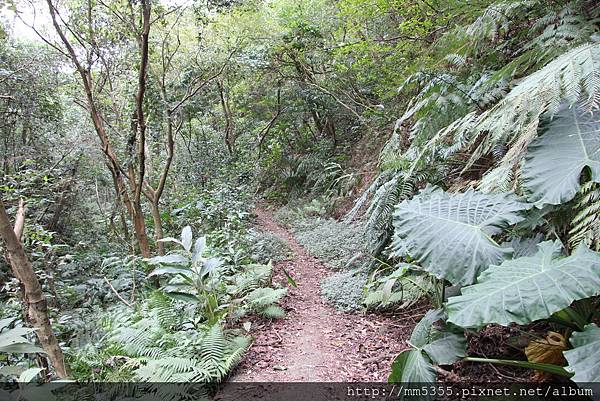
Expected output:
(339, 245)
(344, 290)
(266, 246)
(288, 215)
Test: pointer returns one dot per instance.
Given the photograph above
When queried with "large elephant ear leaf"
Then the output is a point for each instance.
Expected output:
(528, 288)
(523, 246)
(421, 334)
(434, 342)
(413, 366)
(584, 358)
(569, 143)
(450, 235)
(446, 347)
(444, 343)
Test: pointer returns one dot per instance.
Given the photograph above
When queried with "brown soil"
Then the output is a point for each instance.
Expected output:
(314, 342)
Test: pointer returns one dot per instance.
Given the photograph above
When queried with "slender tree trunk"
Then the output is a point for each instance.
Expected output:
(129, 196)
(36, 301)
(158, 229)
(229, 128)
(62, 202)
(139, 226)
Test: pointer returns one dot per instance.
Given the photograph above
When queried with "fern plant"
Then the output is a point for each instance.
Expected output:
(586, 223)
(203, 281)
(176, 349)
(475, 111)
(401, 288)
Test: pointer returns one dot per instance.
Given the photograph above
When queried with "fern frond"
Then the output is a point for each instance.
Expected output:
(497, 17)
(212, 351)
(238, 346)
(168, 369)
(273, 312)
(253, 277)
(586, 223)
(513, 120)
(263, 297)
(362, 200)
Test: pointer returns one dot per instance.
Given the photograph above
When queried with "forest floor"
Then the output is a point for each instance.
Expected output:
(314, 342)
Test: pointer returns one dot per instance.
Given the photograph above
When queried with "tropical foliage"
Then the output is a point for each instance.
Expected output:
(434, 154)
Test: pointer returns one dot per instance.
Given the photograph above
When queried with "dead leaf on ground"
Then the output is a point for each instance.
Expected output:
(548, 350)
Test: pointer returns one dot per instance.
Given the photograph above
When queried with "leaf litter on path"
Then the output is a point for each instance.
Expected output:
(314, 342)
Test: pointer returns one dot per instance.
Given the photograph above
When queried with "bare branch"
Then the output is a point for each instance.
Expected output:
(117, 294)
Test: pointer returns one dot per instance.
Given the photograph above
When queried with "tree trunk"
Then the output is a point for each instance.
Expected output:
(158, 230)
(36, 302)
(62, 202)
(130, 197)
(229, 128)
(139, 226)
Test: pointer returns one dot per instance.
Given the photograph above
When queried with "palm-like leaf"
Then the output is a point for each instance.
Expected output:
(553, 166)
(450, 235)
(529, 288)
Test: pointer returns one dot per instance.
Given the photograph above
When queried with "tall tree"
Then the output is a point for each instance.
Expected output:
(128, 176)
(37, 306)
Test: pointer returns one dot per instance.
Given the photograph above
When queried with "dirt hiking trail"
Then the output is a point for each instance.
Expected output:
(314, 342)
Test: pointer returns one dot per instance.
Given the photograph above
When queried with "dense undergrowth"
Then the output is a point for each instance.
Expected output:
(180, 317)
(436, 152)
(338, 245)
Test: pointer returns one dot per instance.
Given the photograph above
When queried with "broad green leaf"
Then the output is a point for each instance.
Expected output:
(21, 348)
(199, 247)
(412, 366)
(14, 335)
(172, 259)
(523, 246)
(4, 323)
(584, 358)
(178, 287)
(14, 341)
(210, 265)
(10, 370)
(570, 142)
(168, 270)
(28, 375)
(186, 238)
(446, 348)
(170, 239)
(182, 296)
(442, 342)
(421, 333)
(450, 235)
(528, 288)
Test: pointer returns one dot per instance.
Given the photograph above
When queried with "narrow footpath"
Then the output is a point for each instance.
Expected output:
(315, 342)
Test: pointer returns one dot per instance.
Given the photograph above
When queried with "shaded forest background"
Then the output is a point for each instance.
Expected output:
(136, 138)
